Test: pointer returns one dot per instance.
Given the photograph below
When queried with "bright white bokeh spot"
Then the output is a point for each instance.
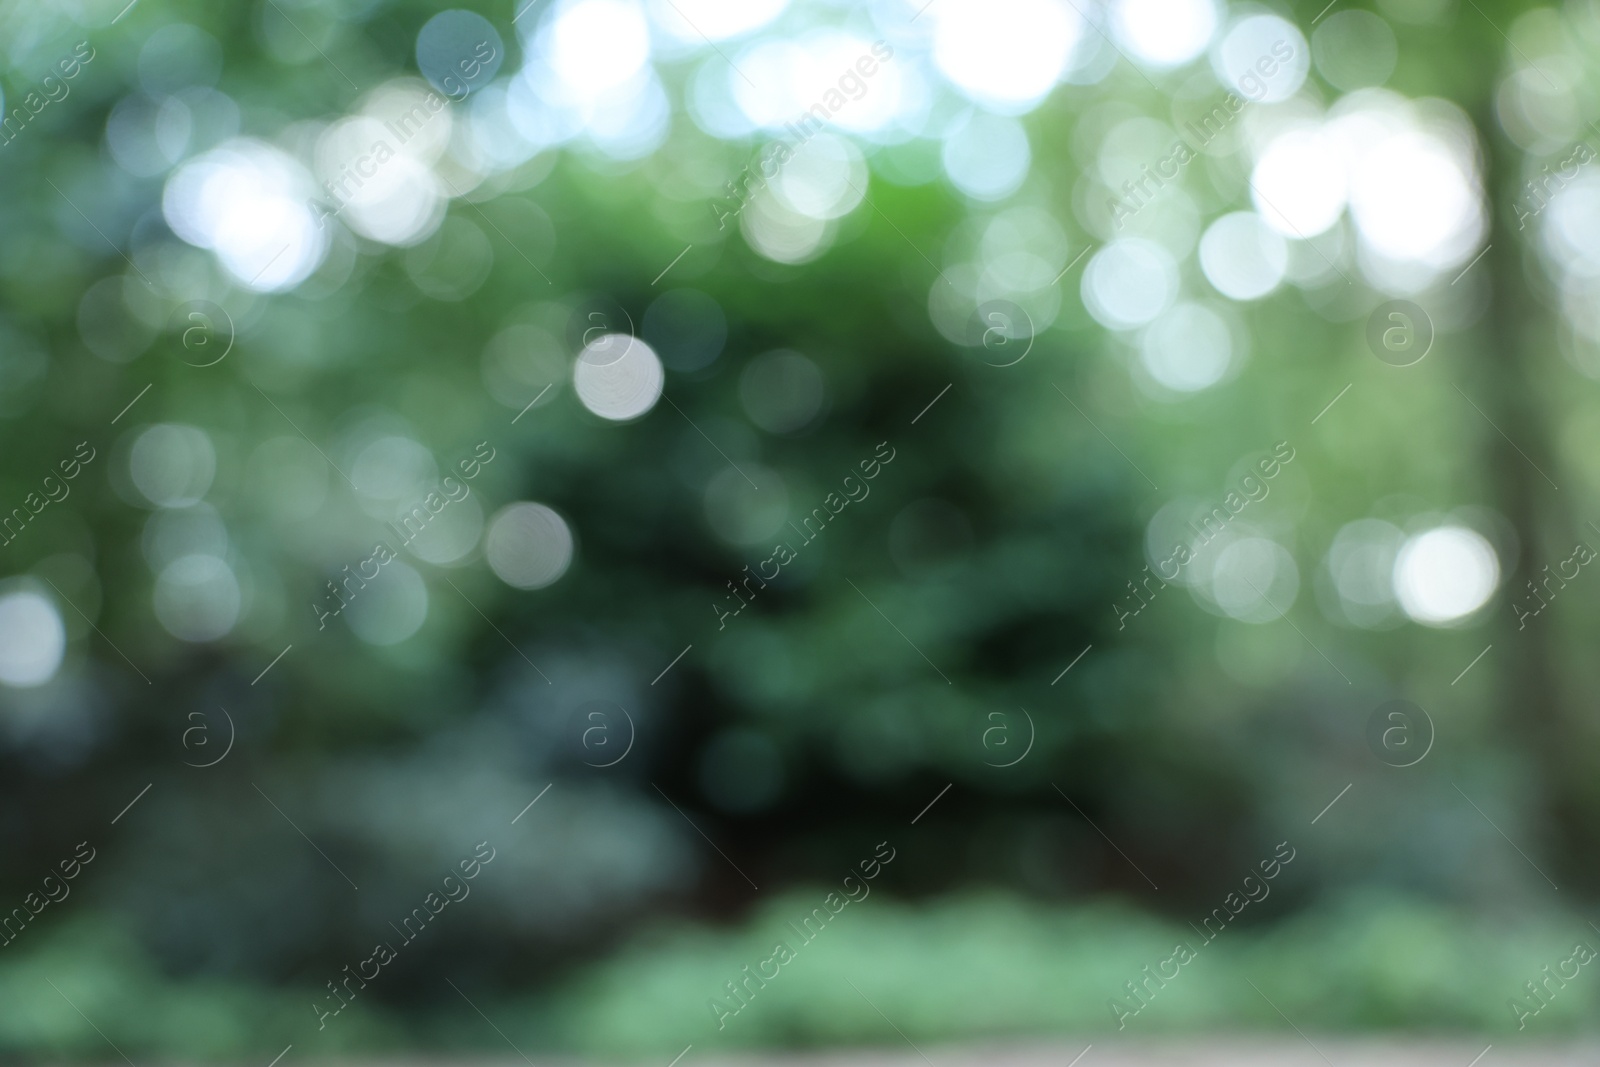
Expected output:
(32, 640)
(1411, 173)
(1255, 580)
(389, 608)
(1445, 574)
(1299, 183)
(538, 109)
(381, 194)
(250, 204)
(1242, 256)
(1187, 349)
(987, 156)
(632, 121)
(1004, 53)
(890, 92)
(172, 465)
(1413, 200)
(797, 85)
(588, 74)
(618, 377)
(1164, 33)
(197, 598)
(529, 546)
(1129, 282)
(784, 81)
(594, 46)
(1263, 58)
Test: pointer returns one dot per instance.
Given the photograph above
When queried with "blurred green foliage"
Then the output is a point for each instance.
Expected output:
(968, 967)
(211, 926)
(979, 966)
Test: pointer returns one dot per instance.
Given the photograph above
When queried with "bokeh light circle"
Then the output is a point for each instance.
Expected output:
(1415, 199)
(172, 465)
(1242, 256)
(618, 377)
(1299, 183)
(197, 598)
(1187, 349)
(1263, 58)
(1005, 53)
(1255, 580)
(825, 178)
(1129, 282)
(1444, 575)
(1164, 33)
(250, 204)
(1354, 49)
(987, 156)
(529, 545)
(596, 47)
(33, 640)
(459, 51)
(391, 607)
